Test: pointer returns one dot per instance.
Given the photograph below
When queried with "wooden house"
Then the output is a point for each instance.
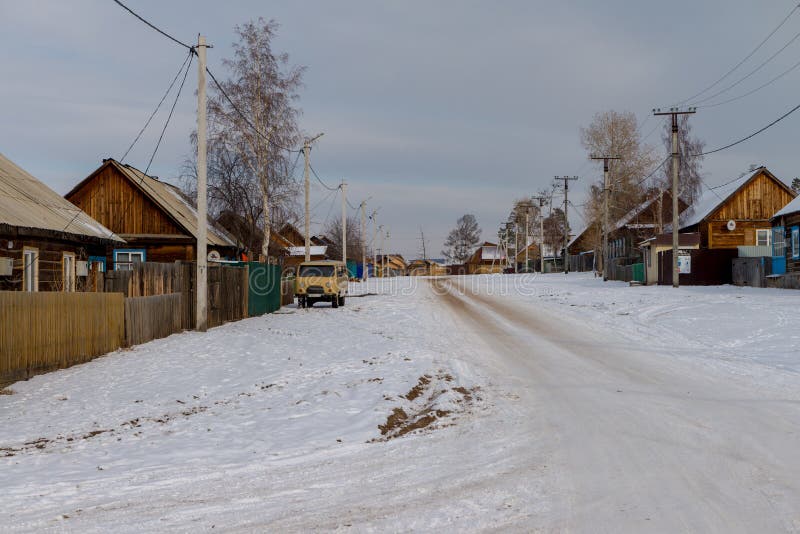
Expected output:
(153, 217)
(46, 243)
(643, 222)
(786, 239)
(391, 265)
(533, 255)
(738, 213)
(421, 267)
(487, 258)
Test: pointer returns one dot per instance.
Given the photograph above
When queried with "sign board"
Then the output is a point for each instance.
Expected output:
(684, 263)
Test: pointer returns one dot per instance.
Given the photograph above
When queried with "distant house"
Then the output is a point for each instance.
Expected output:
(294, 251)
(153, 217)
(786, 239)
(487, 258)
(533, 252)
(739, 212)
(391, 265)
(46, 243)
(422, 267)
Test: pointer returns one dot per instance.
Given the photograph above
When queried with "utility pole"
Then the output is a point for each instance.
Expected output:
(676, 160)
(344, 225)
(306, 153)
(363, 242)
(606, 192)
(377, 229)
(201, 278)
(567, 180)
(542, 201)
(422, 238)
(383, 255)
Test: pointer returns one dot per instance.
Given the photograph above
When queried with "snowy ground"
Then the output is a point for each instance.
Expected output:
(486, 402)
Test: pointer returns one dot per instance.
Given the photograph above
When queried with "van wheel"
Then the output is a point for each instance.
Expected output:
(341, 300)
(335, 302)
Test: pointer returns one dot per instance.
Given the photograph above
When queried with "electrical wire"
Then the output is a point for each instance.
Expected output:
(267, 137)
(746, 76)
(326, 186)
(162, 32)
(160, 138)
(734, 99)
(743, 139)
(153, 114)
(748, 56)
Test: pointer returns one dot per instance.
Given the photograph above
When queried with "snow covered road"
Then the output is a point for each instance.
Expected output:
(526, 404)
(646, 441)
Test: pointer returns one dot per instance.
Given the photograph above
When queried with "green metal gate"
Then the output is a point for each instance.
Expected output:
(264, 288)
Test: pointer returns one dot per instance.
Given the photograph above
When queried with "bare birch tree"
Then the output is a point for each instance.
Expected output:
(262, 121)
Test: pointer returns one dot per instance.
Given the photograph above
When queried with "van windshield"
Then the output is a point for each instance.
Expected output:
(316, 270)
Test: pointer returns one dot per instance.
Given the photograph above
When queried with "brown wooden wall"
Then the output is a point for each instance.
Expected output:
(50, 262)
(751, 208)
(113, 201)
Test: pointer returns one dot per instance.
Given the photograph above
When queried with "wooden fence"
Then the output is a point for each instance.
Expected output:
(227, 294)
(154, 317)
(287, 292)
(41, 332)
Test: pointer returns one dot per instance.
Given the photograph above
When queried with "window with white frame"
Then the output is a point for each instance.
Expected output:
(68, 271)
(778, 241)
(763, 237)
(30, 269)
(124, 259)
(795, 242)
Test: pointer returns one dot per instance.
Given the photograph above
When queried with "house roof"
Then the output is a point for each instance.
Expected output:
(170, 199)
(713, 199)
(25, 202)
(791, 207)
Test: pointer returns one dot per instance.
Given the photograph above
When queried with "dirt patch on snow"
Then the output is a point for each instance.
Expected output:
(431, 403)
(4, 391)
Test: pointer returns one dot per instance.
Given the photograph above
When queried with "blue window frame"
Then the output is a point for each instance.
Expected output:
(795, 242)
(98, 259)
(124, 258)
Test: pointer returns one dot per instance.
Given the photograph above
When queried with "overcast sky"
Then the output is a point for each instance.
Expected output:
(432, 109)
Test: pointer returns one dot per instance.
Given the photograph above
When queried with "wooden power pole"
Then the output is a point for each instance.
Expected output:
(306, 153)
(567, 180)
(606, 192)
(676, 160)
(344, 224)
(201, 282)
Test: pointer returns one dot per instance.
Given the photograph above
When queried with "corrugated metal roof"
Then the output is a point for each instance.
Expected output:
(172, 201)
(25, 202)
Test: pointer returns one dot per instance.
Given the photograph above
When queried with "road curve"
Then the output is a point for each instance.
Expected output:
(644, 442)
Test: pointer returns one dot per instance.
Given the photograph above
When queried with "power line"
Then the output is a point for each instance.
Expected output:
(163, 98)
(162, 32)
(742, 140)
(748, 56)
(326, 186)
(267, 137)
(160, 137)
(746, 76)
(734, 99)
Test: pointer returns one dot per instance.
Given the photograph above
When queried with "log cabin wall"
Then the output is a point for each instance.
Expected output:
(49, 260)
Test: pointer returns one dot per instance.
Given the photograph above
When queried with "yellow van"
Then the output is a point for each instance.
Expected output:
(321, 280)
